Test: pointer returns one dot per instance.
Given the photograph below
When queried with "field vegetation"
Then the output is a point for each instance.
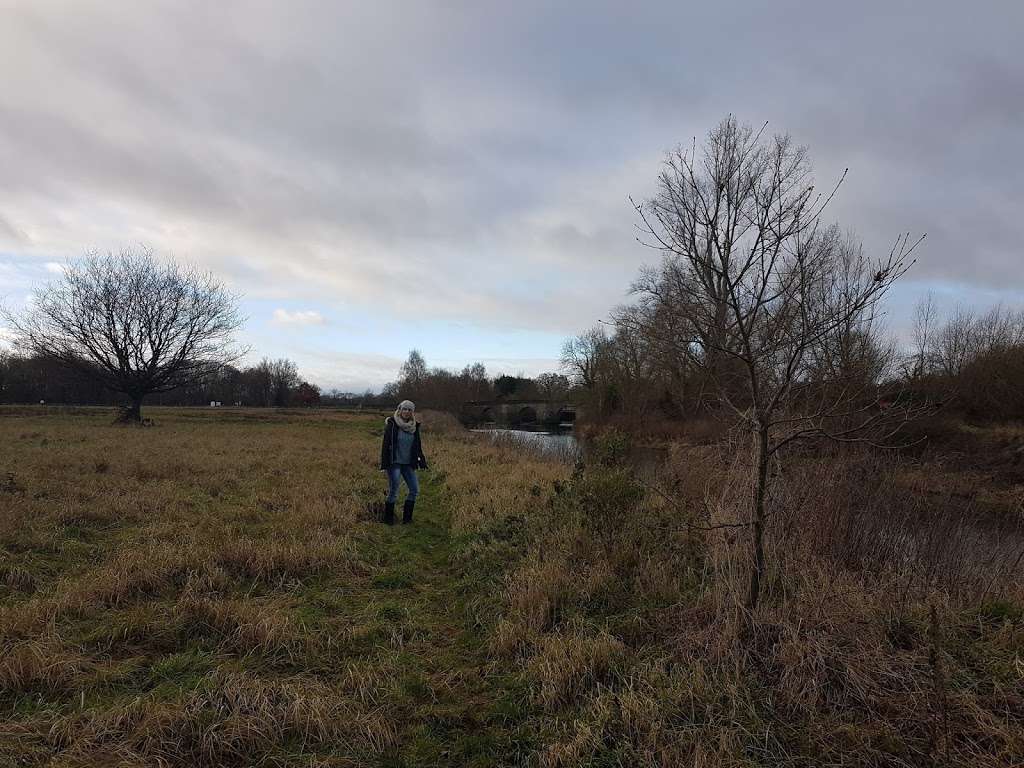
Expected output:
(210, 591)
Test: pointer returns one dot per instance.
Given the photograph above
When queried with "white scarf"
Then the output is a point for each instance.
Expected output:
(407, 426)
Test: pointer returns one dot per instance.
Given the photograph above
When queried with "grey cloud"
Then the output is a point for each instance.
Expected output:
(8, 232)
(485, 151)
(348, 372)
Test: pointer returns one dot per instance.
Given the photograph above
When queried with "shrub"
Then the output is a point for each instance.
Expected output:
(610, 448)
(608, 501)
(989, 387)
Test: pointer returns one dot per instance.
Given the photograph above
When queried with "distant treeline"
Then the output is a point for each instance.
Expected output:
(25, 379)
(446, 390)
(277, 383)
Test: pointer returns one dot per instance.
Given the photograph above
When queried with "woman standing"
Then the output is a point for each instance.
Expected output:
(401, 454)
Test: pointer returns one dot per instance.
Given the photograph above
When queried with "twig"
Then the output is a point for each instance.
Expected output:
(688, 524)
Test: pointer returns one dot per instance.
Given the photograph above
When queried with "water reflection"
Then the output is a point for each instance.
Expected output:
(647, 461)
(562, 446)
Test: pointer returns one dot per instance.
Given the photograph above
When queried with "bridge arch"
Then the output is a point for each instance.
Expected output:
(527, 415)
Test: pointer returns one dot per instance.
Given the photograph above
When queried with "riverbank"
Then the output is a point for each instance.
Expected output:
(890, 629)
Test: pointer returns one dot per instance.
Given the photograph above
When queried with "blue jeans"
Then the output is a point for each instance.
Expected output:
(395, 475)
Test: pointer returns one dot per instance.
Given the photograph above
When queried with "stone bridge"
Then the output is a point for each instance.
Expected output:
(516, 412)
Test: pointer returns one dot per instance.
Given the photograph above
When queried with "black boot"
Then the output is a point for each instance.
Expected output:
(407, 511)
(389, 512)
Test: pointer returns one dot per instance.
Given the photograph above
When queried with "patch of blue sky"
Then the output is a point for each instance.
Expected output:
(947, 295)
(327, 338)
(19, 275)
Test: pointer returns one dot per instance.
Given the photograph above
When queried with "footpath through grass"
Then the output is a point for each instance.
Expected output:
(459, 710)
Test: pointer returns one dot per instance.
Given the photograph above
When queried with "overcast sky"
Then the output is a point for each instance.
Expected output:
(453, 176)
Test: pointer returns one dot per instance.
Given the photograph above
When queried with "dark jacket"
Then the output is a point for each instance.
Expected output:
(390, 444)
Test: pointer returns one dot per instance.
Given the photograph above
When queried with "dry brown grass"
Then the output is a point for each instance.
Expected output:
(229, 605)
(208, 592)
(236, 719)
(245, 626)
(269, 562)
(125, 551)
(40, 664)
(572, 663)
(844, 665)
(490, 482)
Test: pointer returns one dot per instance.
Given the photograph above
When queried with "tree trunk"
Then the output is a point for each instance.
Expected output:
(132, 412)
(757, 530)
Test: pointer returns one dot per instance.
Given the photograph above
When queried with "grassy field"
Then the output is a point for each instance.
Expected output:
(209, 591)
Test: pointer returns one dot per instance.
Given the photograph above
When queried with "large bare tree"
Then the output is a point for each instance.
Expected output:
(552, 386)
(581, 356)
(766, 296)
(135, 323)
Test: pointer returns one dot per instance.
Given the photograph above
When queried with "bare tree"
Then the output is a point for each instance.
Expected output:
(957, 341)
(764, 284)
(581, 354)
(966, 335)
(283, 377)
(135, 324)
(1000, 328)
(257, 384)
(475, 384)
(552, 386)
(412, 378)
(923, 359)
(853, 351)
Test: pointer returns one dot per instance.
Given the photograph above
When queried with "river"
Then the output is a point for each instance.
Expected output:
(562, 446)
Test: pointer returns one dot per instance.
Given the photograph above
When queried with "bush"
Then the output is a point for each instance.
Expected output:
(610, 448)
(989, 387)
(609, 500)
